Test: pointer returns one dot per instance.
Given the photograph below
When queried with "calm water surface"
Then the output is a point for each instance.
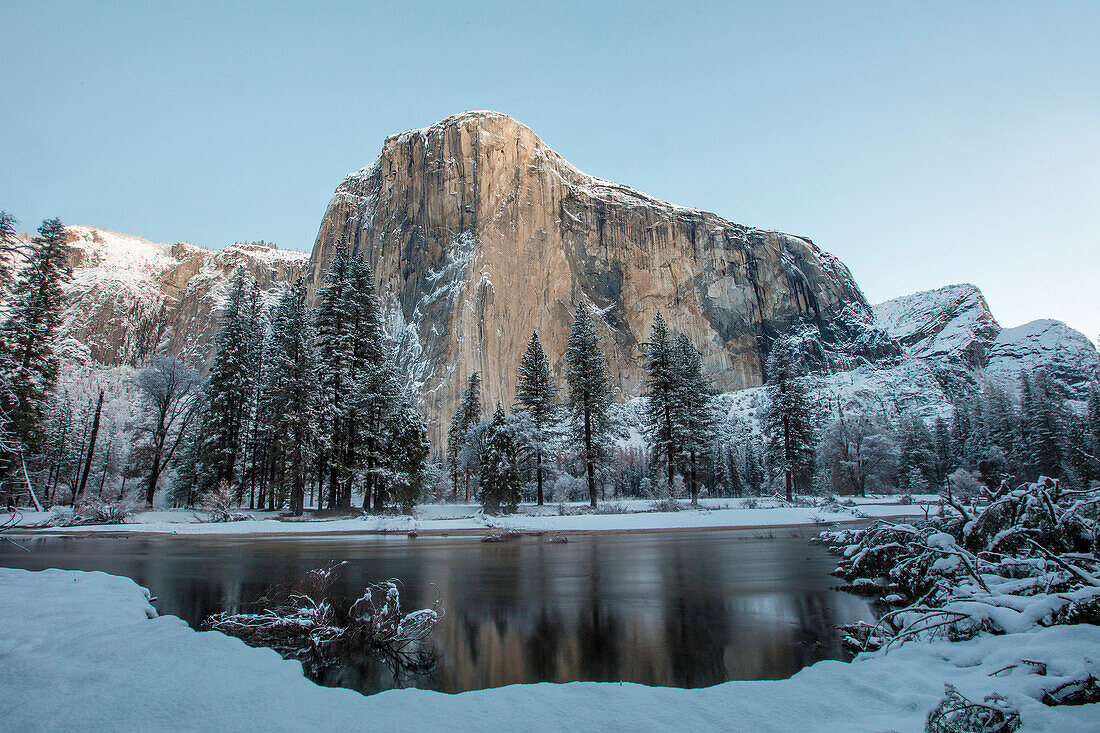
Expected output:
(685, 608)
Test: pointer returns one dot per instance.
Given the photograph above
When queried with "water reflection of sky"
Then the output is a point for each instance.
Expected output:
(665, 608)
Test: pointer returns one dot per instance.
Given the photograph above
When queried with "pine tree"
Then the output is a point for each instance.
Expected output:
(961, 434)
(661, 383)
(589, 393)
(332, 325)
(350, 351)
(290, 391)
(500, 475)
(230, 387)
(28, 362)
(1041, 421)
(406, 454)
(787, 421)
(9, 244)
(1092, 433)
(466, 416)
(916, 452)
(691, 398)
(378, 399)
(535, 393)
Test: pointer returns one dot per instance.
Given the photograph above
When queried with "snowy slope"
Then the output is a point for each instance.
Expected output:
(953, 322)
(1067, 355)
(129, 297)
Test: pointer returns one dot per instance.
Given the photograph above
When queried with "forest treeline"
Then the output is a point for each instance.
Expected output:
(305, 406)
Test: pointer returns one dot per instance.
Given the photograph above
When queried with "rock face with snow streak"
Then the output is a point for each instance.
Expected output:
(129, 297)
(479, 234)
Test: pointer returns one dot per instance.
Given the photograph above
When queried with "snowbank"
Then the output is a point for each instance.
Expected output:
(464, 518)
(86, 651)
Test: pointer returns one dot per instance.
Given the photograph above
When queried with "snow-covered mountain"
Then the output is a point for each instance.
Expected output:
(130, 297)
(952, 331)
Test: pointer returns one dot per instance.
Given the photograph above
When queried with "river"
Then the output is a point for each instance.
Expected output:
(685, 608)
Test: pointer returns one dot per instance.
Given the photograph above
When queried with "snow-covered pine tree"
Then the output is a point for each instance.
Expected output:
(365, 358)
(787, 421)
(500, 480)
(290, 391)
(28, 362)
(961, 433)
(334, 317)
(1092, 432)
(378, 400)
(230, 387)
(1041, 423)
(915, 448)
(9, 244)
(536, 393)
(692, 409)
(589, 393)
(660, 385)
(466, 416)
(406, 453)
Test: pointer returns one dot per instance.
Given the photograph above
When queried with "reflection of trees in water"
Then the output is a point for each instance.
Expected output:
(675, 609)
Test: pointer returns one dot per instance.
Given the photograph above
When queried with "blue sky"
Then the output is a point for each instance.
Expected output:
(923, 143)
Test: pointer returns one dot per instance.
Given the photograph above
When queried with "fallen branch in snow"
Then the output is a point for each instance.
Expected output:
(302, 623)
(957, 714)
(1028, 558)
(12, 521)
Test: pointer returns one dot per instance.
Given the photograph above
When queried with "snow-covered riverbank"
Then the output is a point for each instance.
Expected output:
(86, 651)
(630, 514)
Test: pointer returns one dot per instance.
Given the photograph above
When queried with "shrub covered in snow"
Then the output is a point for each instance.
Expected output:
(301, 622)
(218, 504)
(1027, 559)
(93, 511)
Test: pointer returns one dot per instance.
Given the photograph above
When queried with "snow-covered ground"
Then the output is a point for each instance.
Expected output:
(632, 514)
(86, 651)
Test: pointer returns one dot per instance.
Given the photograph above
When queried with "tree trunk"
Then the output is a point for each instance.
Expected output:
(91, 450)
(538, 473)
(694, 485)
(589, 463)
(788, 455)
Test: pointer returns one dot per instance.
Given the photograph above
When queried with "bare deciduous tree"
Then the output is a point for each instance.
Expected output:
(170, 393)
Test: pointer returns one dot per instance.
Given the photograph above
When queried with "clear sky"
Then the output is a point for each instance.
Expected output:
(924, 143)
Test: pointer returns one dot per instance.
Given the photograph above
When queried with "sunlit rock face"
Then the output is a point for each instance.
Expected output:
(479, 234)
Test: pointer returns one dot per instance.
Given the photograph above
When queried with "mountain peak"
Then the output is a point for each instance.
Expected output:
(479, 234)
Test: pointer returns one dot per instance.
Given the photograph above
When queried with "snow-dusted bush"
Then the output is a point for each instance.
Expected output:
(301, 622)
(218, 503)
(566, 488)
(964, 484)
(100, 511)
(93, 511)
(664, 497)
(1029, 558)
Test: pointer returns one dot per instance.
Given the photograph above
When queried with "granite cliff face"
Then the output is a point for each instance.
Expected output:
(479, 234)
(130, 298)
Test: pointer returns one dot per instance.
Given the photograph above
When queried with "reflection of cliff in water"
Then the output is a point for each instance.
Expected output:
(687, 609)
